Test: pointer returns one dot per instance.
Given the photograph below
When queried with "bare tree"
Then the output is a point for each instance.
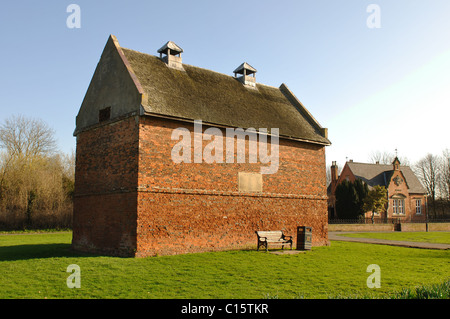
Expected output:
(380, 157)
(68, 164)
(23, 138)
(26, 137)
(444, 181)
(32, 173)
(386, 158)
(427, 170)
(328, 174)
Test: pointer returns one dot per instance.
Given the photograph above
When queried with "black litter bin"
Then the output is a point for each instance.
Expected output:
(304, 238)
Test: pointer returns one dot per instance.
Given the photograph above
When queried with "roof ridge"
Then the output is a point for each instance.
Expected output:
(202, 68)
(377, 164)
(190, 65)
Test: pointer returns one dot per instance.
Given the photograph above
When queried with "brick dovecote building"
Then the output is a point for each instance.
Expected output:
(131, 197)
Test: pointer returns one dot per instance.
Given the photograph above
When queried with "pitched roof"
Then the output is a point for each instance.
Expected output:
(379, 174)
(219, 99)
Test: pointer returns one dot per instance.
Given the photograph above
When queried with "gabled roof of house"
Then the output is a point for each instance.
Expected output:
(219, 99)
(380, 174)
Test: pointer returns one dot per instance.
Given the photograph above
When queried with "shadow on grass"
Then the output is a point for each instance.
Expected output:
(36, 251)
(64, 250)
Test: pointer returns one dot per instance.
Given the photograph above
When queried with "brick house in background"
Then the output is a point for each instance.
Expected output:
(407, 198)
(132, 199)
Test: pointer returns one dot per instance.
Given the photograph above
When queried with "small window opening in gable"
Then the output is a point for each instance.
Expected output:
(104, 114)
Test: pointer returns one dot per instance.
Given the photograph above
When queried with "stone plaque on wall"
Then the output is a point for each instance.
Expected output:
(250, 182)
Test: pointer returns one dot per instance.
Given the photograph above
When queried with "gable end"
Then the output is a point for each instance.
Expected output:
(113, 87)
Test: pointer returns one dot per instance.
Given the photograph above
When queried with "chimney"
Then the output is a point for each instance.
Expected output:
(172, 55)
(333, 184)
(248, 75)
(334, 173)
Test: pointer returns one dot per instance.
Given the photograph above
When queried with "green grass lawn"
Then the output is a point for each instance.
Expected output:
(34, 266)
(428, 237)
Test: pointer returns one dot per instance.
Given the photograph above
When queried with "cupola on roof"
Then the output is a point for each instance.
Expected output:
(172, 56)
(245, 69)
(170, 48)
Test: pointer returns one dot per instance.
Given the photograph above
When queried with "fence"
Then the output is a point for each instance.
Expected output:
(385, 221)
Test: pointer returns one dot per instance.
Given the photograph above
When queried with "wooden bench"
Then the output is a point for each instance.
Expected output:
(273, 237)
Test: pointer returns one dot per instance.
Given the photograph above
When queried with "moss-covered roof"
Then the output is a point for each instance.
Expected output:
(215, 98)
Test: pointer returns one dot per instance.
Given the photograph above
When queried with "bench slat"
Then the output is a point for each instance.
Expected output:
(270, 234)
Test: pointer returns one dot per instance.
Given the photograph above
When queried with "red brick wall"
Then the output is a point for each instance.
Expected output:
(192, 207)
(132, 199)
(301, 165)
(105, 223)
(410, 200)
(412, 204)
(104, 217)
(346, 173)
(107, 158)
(182, 222)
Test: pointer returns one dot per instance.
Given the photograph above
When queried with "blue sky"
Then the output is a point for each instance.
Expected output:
(373, 88)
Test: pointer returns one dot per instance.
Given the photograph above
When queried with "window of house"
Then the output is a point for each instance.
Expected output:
(401, 206)
(418, 206)
(398, 206)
